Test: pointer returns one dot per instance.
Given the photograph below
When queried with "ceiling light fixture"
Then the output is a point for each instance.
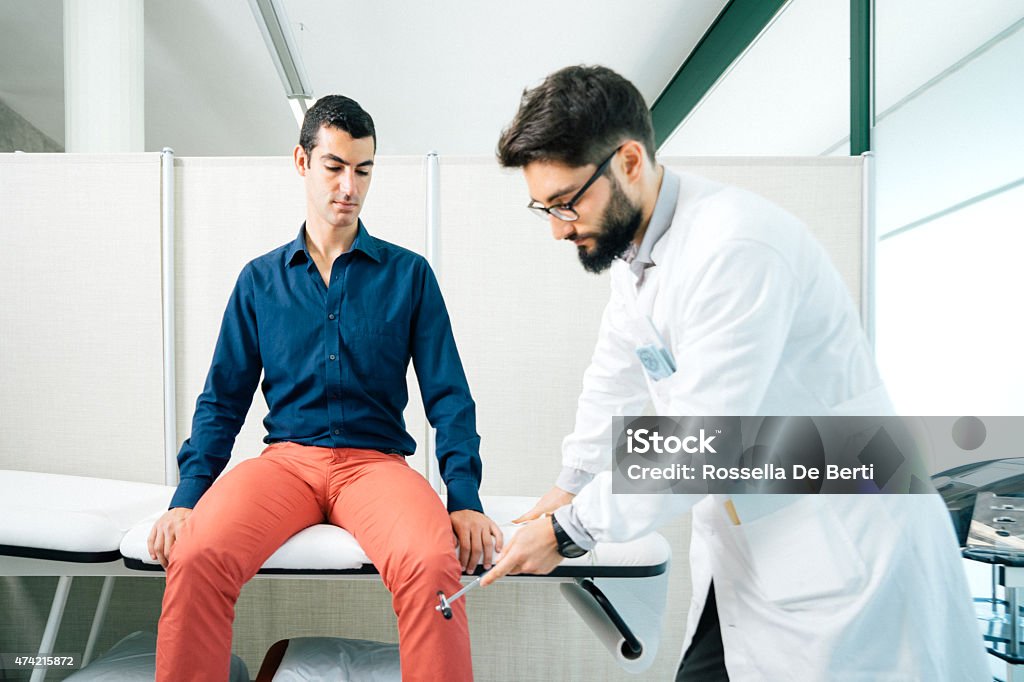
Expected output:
(273, 23)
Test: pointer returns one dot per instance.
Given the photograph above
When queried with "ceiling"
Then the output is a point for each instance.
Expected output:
(447, 75)
(444, 75)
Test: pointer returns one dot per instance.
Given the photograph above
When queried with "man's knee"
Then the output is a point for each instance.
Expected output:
(424, 568)
(204, 559)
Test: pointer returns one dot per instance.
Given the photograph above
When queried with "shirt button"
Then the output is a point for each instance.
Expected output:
(337, 432)
(331, 316)
(332, 357)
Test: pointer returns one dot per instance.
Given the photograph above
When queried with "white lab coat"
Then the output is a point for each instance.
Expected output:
(824, 587)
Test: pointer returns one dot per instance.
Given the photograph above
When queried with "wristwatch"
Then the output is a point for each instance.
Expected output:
(566, 546)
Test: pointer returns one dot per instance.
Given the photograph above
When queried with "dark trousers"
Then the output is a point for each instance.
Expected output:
(704, 660)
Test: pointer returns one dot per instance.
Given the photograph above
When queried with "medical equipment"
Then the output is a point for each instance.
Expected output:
(987, 508)
(445, 606)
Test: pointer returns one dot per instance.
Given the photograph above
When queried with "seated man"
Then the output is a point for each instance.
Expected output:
(332, 320)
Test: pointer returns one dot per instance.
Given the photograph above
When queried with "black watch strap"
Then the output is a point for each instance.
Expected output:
(566, 546)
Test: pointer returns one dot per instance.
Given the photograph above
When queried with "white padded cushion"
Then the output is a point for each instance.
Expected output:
(320, 547)
(133, 659)
(73, 513)
(341, 660)
(327, 547)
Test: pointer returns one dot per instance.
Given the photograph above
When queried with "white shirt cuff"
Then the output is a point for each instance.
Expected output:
(572, 480)
(570, 523)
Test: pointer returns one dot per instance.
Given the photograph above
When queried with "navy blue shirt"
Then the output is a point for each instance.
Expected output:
(334, 361)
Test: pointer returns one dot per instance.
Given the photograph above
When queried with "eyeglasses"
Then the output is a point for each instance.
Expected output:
(566, 212)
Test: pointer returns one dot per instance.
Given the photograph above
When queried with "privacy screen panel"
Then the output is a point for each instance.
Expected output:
(826, 193)
(81, 382)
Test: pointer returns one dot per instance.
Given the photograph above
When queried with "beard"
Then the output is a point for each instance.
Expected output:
(619, 224)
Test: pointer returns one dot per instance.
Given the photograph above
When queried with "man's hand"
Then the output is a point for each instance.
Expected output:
(552, 500)
(477, 536)
(165, 533)
(533, 549)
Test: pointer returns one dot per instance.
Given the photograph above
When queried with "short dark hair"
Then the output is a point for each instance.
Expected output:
(336, 111)
(576, 116)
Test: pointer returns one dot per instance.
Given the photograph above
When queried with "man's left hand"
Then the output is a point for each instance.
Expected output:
(478, 537)
(533, 549)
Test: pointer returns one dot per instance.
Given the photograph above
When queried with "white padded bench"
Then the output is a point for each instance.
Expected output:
(53, 524)
(72, 518)
(328, 550)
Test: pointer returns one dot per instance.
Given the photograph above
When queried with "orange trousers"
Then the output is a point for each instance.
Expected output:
(252, 509)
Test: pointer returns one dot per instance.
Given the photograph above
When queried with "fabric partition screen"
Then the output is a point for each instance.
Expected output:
(826, 192)
(231, 210)
(81, 381)
(525, 316)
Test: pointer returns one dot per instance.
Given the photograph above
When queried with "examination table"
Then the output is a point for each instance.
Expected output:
(66, 526)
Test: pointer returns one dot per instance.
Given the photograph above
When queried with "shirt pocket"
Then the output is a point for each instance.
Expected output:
(380, 349)
(388, 329)
(800, 554)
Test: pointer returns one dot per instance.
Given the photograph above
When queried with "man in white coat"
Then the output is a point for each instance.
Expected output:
(757, 322)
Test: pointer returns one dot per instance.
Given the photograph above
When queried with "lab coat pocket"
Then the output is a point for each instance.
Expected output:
(654, 353)
(801, 553)
(662, 393)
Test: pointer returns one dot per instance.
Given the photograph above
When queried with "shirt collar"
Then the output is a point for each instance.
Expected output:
(661, 220)
(364, 242)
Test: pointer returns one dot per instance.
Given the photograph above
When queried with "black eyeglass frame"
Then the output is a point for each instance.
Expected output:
(542, 211)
